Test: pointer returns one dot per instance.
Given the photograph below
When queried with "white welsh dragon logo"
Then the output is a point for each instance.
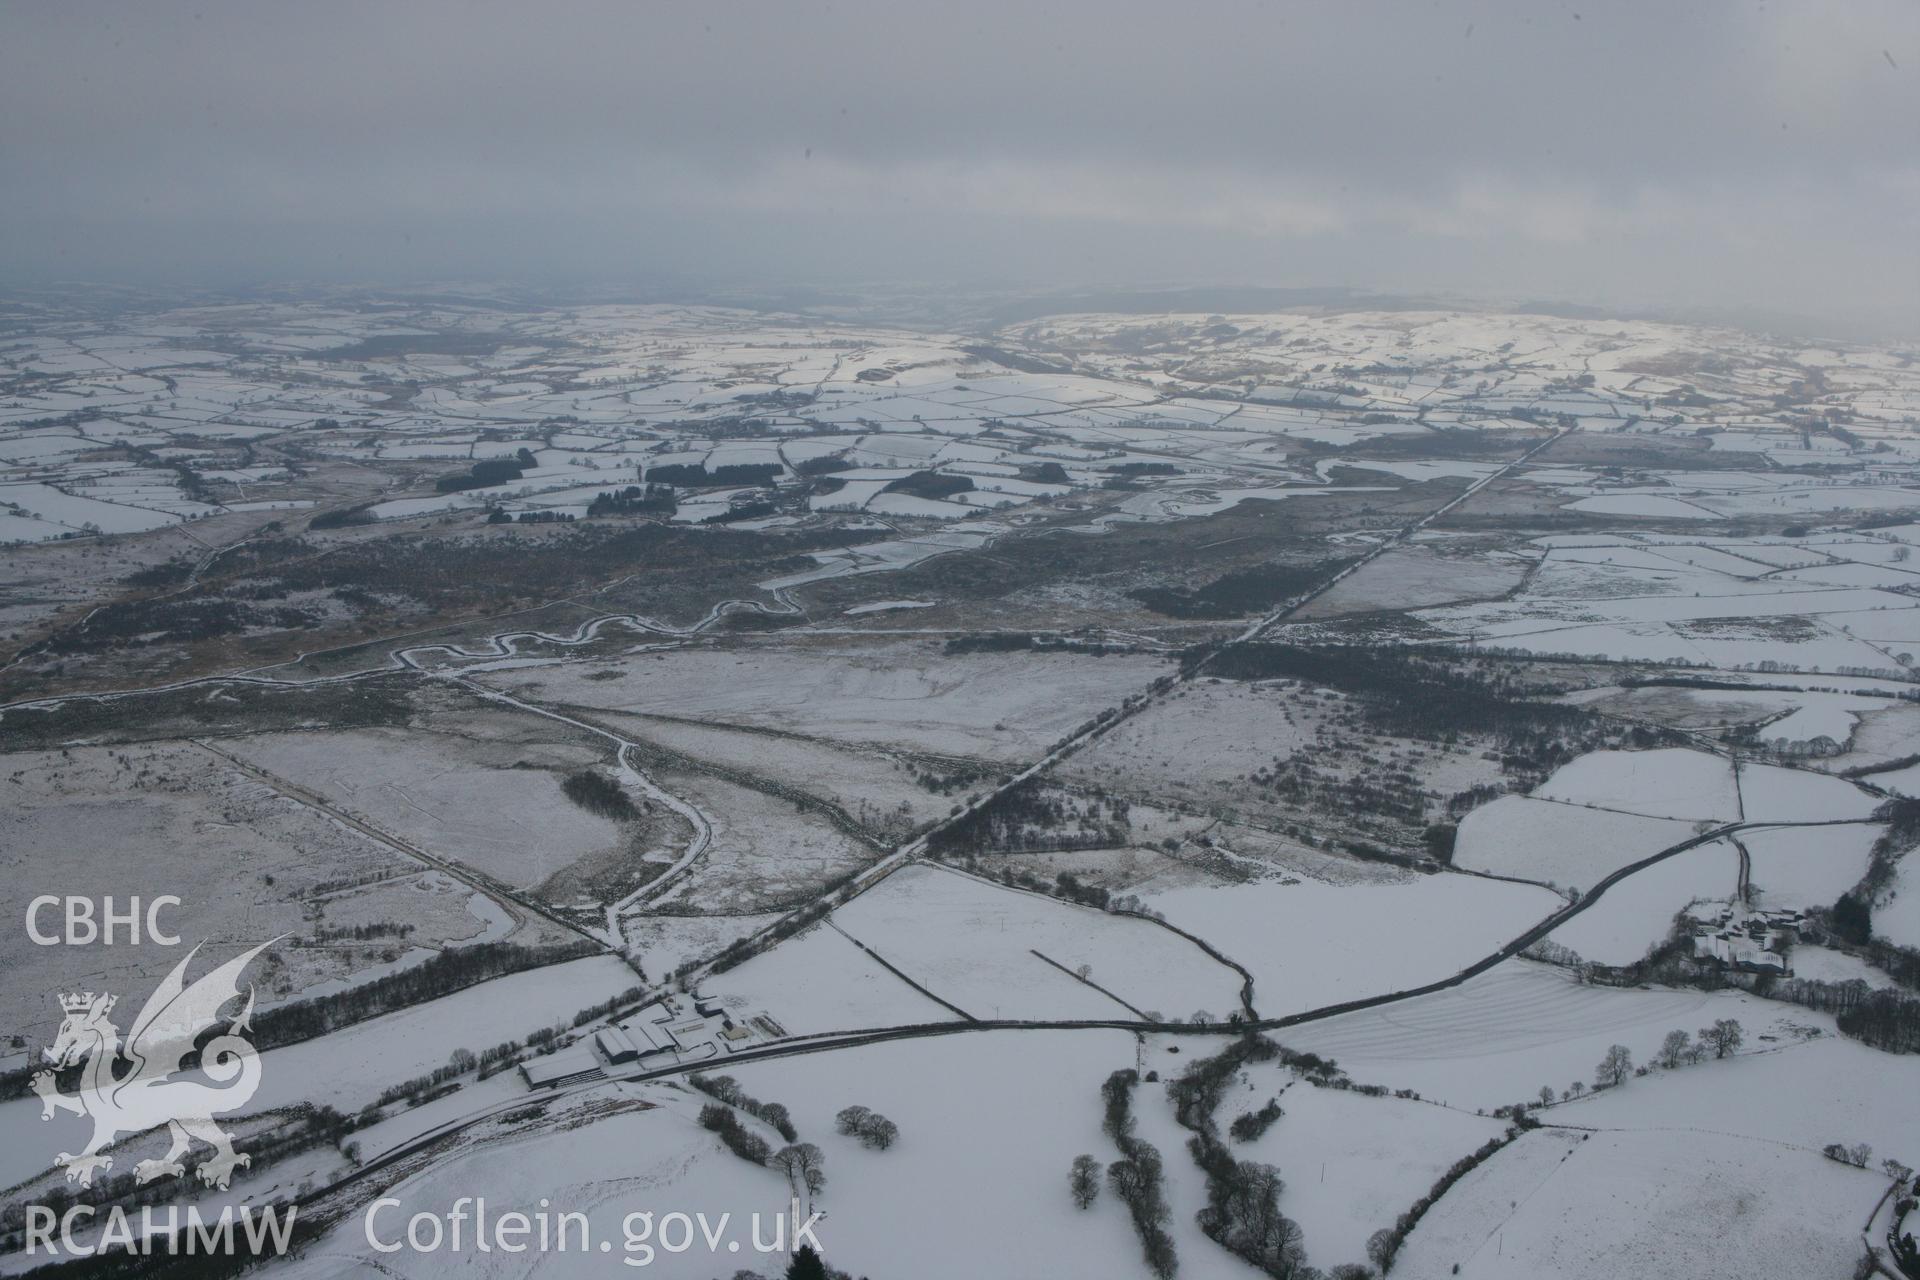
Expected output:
(144, 1095)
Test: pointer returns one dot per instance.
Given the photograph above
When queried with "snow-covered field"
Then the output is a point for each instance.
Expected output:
(1557, 843)
(1497, 1038)
(607, 1155)
(1311, 944)
(1609, 809)
(951, 560)
(972, 944)
(1353, 1163)
(1792, 721)
(822, 981)
(1769, 793)
(885, 691)
(1636, 914)
(349, 1067)
(963, 1104)
(455, 798)
(1689, 785)
(1808, 867)
(1830, 1090)
(1715, 603)
(1611, 1204)
(1896, 915)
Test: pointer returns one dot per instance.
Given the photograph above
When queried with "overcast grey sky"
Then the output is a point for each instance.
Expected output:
(1720, 154)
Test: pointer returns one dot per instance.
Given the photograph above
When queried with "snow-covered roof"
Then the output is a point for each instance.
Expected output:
(568, 1064)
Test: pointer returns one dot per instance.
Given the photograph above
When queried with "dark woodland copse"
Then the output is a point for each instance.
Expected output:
(1438, 698)
(1033, 816)
(696, 476)
(654, 499)
(1242, 1213)
(434, 572)
(1248, 1127)
(1239, 593)
(490, 471)
(599, 794)
(931, 484)
(1027, 642)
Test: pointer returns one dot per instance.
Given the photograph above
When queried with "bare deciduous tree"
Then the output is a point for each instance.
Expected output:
(1085, 1181)
(1673, 1050)
(1723, 1037)
(872, 1128)
(803, 1164)
(1614, 1068)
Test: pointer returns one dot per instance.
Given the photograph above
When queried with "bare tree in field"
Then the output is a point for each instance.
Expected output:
(1614, 1068)
(1546, 1095)
(1085, 1181)
(879, 1132)
(803, 1164)
(872, 1128)
(1724, 1036)
(1673, 1050)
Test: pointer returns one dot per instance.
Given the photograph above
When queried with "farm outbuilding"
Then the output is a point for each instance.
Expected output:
(615, 1045)
(569, 1066)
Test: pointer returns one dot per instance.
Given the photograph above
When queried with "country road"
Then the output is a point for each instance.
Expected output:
(967, 1024)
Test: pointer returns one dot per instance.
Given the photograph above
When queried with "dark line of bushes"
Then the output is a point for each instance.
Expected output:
(726, 1089)
(1383, 1246)
(1137, 1177)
